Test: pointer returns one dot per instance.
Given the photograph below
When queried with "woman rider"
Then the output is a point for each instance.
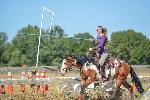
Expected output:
(101, 49)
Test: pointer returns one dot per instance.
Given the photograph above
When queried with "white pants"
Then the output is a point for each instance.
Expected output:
(103, 58)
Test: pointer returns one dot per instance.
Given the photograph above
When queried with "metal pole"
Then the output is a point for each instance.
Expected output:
(37, 57)
(51, 23)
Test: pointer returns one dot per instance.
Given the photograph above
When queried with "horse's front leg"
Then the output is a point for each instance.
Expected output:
(89, 81)
(91, 78)
(82, 92)
(84, 84)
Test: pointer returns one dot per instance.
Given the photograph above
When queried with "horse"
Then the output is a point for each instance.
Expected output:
(118, 70)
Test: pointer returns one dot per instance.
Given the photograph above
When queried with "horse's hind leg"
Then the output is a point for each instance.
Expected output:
(126, 85)
(118, 84)
(129, 87)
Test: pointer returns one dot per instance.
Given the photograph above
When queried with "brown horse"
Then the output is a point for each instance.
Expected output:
(118, 70)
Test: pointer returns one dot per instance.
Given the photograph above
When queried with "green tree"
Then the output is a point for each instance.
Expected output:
(130, 45)
(3, 41)
(85, 35)
(8, 49)
(53, 48)
(26, 44)
(82, 43)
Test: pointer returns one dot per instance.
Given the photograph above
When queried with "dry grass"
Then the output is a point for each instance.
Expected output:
(54, 92)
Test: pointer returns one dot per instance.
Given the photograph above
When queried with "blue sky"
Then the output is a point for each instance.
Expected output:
(77, 15)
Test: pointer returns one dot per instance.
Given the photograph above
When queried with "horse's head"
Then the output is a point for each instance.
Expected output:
(67, 63)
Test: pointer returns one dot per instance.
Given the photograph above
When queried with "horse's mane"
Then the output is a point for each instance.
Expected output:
(81, 60)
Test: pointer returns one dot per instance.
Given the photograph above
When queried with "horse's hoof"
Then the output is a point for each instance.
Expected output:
(81, 97)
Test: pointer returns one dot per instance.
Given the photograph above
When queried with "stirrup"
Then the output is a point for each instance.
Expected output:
(104, 78)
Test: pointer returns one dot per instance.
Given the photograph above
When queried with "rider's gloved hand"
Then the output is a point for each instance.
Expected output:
(91, 40)
(94, 48)
(90, 49)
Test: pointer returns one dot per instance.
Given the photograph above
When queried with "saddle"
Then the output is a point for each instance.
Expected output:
(109, 64)
(102, 72)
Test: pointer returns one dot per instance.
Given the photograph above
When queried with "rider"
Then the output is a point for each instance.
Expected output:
(100, 48)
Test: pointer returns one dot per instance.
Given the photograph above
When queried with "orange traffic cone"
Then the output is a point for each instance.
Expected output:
(10, 89)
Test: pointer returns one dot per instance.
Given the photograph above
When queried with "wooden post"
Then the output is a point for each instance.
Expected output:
(9, 76)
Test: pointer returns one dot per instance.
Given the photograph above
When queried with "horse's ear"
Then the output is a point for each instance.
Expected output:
(72, 56)
(65, 56)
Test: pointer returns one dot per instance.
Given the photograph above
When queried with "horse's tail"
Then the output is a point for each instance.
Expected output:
(136, 81)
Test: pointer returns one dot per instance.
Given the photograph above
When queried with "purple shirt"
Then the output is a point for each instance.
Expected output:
(102, 40)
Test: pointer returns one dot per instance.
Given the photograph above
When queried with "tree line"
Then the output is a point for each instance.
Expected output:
(22, 49)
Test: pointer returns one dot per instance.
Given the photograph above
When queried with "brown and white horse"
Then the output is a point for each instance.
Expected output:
(117, 70)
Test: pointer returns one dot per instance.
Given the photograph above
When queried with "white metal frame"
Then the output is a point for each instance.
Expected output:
(48, 35)
(38, 51)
